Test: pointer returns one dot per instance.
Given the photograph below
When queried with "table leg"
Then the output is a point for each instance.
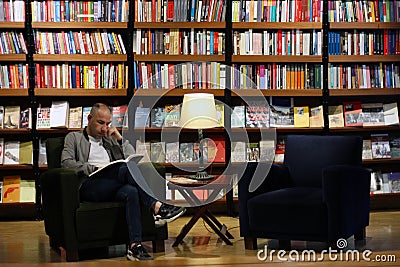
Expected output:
(186, 228)
(217, 223)
(216, 229)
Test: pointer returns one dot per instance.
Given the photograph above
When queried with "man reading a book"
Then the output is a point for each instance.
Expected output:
(97, 145)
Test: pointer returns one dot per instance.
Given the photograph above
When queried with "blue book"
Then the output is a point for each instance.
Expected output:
(211, 42)
(57, 11)
(73, 75)
(67, 11)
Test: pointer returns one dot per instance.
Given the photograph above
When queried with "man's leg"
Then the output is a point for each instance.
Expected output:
(130, 195)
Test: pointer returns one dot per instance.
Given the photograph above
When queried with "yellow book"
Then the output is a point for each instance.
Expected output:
(120, 76)
(116, 43)
(25, 152)
(85, 77)
(27, 191)
(220, 114)
(301, 117)
(11, 189)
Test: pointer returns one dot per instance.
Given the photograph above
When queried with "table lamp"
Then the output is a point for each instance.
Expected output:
(198, 112)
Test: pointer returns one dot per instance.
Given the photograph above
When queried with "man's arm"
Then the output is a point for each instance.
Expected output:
(72, 156)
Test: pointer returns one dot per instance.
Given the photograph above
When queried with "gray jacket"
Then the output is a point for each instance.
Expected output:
(75, 154)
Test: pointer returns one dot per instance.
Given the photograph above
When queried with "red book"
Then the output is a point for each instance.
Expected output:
(216, 150)
(171, 76)
(170, 14)
(279, 42)
(385, 42)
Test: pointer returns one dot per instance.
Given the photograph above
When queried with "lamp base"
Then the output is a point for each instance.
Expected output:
(201, 176)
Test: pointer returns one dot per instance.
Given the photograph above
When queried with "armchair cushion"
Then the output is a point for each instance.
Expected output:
(289, 204)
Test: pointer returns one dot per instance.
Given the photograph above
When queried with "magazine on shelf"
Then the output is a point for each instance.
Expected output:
(135, 157)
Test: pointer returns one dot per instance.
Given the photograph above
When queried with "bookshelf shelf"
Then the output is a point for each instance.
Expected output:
(363, 58)
(178, 58)
(360, 92)
(79, 25)
(79, 92)
(277, 25)
(15, 167)
(380, 161)
(13, 57)
(177, 129)
(12, 25)
(275, 59)
(25, 131)
(176, 92)
(364, 25)
(79, 58)
(276, 92)
(281, 129)
(14, 92)
(365, 129)
(179, 25)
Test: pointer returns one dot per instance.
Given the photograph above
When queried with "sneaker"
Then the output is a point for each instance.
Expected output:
(138, 253)
(168, 213)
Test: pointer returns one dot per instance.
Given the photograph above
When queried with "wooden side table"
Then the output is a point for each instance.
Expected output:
(186, 187)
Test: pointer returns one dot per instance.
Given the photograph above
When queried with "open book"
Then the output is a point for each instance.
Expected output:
(134, 157)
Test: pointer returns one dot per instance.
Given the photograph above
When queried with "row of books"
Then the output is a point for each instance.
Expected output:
(179, 10)
(70, 75)
(277, 11)
(13, 189)
(80, 11)
(12, 43)
(381, 146)
(167, 116)
(175, 152)
(13, 117)
(382, 182)
(277, 76)
(262, 151)
(261, 115)
(292, 42)
(363, 76)
(12, 11)
(359, 114)
(205, 75)
(59, 115)
(15, 152)
(81, 42)
(384, 42)
(178, 42)
(14, 76)
(364, 11)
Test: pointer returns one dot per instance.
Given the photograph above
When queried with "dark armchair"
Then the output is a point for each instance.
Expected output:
(320, 193)
(73, 225)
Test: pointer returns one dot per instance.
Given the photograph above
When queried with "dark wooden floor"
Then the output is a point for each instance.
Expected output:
(24, 242)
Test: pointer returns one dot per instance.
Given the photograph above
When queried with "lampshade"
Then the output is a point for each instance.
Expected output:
(198, 111)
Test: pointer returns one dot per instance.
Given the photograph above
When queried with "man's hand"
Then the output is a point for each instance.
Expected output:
(112, 131)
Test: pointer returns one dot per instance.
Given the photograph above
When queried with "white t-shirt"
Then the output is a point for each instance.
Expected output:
(98, 155)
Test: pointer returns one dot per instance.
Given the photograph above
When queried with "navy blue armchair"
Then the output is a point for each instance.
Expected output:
(320, 193)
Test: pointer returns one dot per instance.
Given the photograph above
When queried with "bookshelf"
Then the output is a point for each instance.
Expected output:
(376, 59)
(155, 24)
(14, 91)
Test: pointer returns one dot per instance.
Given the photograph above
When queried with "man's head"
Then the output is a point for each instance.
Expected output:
(99, 120)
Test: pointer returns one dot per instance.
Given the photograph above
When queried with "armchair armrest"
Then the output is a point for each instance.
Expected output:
(277, 178)
(60, 199)
(346, 192)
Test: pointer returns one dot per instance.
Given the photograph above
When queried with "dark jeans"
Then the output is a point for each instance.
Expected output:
(117, 183)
